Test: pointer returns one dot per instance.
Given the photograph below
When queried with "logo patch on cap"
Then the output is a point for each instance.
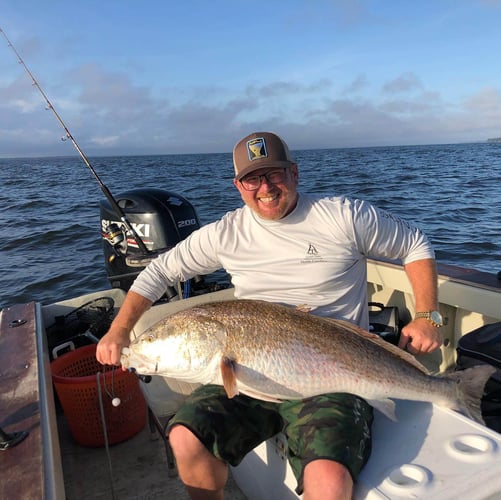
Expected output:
(257, 148)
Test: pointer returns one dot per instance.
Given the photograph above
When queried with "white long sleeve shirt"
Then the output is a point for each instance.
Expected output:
(314, 257)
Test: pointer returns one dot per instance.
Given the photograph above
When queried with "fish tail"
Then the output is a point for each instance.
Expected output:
(470, 384)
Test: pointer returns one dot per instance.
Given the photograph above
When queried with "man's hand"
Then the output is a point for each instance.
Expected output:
(110, 346)
(420, 337)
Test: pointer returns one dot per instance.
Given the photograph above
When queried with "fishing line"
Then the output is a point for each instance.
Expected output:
(105, 433)
(120, 213)
(115, 401)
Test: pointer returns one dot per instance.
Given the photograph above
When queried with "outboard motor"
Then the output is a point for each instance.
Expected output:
(160, 218)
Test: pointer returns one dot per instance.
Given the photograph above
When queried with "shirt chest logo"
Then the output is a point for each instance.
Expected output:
(312, 255)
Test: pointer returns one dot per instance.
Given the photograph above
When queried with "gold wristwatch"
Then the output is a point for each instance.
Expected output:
(434, 317)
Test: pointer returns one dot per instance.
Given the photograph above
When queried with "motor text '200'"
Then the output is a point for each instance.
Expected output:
(187, 222)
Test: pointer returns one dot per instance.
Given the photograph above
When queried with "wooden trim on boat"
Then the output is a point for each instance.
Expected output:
(470, 277)
(468, 290)
(448, 272)
(27, 470)
(22, 465)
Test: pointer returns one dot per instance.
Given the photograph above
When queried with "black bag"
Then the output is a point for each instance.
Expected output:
(384, 321)
(483, 346)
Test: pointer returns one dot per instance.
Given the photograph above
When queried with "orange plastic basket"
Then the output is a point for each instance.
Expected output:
(75, 378)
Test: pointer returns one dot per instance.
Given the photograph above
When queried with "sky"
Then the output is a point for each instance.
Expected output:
(195, 76)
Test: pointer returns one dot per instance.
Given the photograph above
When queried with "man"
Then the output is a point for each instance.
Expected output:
(287, 247)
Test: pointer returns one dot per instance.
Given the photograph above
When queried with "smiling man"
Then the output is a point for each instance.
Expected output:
(296, 249)
(265, 175)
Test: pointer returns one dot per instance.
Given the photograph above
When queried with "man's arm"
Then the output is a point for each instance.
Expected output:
(420, 336)
(110, 346)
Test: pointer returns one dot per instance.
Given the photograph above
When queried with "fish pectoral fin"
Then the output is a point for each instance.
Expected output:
(229, 377)
(385, 406)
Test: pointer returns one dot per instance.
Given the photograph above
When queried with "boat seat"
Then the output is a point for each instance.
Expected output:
(164, 396)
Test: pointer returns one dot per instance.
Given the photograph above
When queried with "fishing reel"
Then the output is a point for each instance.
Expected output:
(116, 237)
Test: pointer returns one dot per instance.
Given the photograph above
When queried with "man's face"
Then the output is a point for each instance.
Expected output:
(271, 201)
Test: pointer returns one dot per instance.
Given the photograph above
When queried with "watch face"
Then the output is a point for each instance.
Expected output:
(436, 317)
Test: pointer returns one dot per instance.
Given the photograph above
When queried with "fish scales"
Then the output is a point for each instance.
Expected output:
(274, 352)
(310, 354)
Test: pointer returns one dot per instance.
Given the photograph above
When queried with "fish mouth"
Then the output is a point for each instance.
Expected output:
(132, 361)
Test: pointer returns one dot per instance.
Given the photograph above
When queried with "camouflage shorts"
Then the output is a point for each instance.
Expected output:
(331, 426)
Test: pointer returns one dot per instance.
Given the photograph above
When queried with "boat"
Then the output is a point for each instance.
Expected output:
(429, 452)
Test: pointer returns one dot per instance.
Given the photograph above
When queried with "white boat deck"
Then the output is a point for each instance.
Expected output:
(430, 453)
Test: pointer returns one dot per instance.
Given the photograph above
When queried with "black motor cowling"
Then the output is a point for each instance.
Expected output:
(160, 218)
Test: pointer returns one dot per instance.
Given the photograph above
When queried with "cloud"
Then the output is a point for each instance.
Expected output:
(281, 88)
(358, 84)
(109, 114)
(486, 101)
(403, 83)
(112, 140)
(423, 102)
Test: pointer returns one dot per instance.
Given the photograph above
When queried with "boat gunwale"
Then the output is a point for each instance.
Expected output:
(53, 468)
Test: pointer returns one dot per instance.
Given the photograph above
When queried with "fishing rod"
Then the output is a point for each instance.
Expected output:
(120, 213)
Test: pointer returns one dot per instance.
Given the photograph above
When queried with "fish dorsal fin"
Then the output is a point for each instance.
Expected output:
(376, 339)
(229, 377)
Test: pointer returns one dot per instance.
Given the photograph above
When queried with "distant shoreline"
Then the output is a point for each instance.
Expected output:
(495, 139)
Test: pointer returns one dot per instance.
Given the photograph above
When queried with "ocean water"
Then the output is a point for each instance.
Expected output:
(50, 241)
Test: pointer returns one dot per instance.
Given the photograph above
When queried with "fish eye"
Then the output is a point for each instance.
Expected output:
(150, 338)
